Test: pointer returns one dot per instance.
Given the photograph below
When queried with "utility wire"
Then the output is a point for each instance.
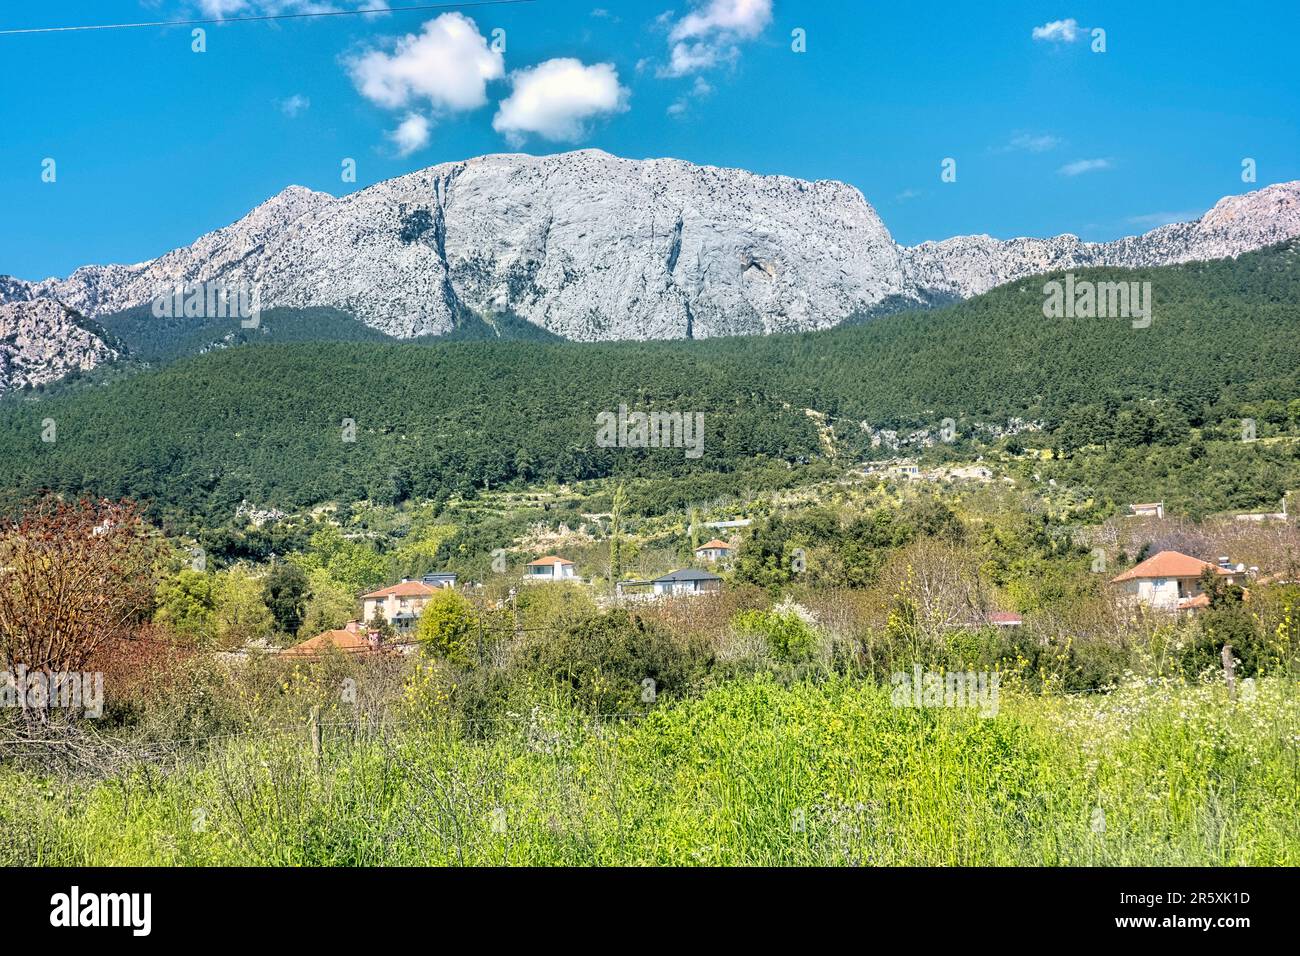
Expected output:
(271, 16)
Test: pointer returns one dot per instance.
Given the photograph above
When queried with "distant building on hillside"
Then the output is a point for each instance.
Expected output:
(440, 579)
(352, 639)
(714, 550)
(1155, 509)
(687, 581)
(1005, 619)
(1267, 515)
(550, 568)
(399, 605)
(733, 523)
(1171, 581)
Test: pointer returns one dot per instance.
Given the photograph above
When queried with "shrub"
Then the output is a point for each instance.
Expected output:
(605, 661)
(448, 627)
(788, 629)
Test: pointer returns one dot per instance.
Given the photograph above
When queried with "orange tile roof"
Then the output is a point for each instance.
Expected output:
(1168, 564)
(715, 543)
(349, 642)
(548, 560)
(405, 589)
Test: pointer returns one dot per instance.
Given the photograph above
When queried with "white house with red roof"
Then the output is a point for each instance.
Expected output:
(550, 568)
(1170, 580)
(714, 550)
(399, 604)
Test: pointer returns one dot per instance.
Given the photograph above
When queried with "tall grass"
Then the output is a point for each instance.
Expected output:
(751, 773)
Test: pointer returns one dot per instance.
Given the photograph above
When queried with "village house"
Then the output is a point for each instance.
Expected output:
(550, 568)
(1154, 509)
(1171, 581)
(714, 550)
(399, 604)
(687, 581)
(352, 638)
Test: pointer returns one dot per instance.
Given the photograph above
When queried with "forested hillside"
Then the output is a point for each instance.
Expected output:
(268, 421)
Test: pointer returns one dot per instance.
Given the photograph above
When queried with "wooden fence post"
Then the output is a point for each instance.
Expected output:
(315, 737)
(1229, 665)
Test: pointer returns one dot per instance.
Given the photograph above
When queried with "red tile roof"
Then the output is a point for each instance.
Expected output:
(548, 560)
(715, 543)
(349, 642)
(1005, 617)
(405, 589)
(1168, 564)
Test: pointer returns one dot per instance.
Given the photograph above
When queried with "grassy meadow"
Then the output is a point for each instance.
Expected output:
(749, 773)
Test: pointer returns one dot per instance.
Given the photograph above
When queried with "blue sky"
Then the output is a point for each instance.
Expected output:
(156, 144)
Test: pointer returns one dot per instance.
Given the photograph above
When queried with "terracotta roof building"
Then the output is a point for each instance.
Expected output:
(1169, 579)
(550, 568)
(350, 640)
(713, 550)
(400, 605)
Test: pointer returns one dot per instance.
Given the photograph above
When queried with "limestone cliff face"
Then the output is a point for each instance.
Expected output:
(969, 265)
(593, 247)
(584, 244)
(41, 341)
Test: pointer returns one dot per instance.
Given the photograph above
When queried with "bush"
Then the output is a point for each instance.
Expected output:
(448, 627)
(606, 661)
(788, 629)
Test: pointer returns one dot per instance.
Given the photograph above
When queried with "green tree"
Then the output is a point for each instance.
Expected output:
(285, 594)
(186, 605)
(330, 604)
(238, 611)
(449, 627)
(616, 534)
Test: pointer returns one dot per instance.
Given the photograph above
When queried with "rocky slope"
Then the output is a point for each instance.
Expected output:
(590, 246)
(584, 244)
(41, 341)
(969, 265)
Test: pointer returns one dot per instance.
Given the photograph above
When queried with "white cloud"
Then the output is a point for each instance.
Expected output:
(295, 105)
(411, 134)
(556, 99)
(448, 64)
(700, 89)
(709, 34)
(1080, 166)
(1033, 142)
(228, 8)
(221, 8)
(1058, 31)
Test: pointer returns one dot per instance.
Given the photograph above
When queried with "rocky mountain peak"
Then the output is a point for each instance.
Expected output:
(593, 246)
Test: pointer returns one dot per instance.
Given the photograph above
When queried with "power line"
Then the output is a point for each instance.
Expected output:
(271, 16)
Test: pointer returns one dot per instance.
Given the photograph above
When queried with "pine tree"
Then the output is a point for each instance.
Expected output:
(616, 535)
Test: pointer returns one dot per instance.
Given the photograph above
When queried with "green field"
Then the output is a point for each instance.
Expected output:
(751, 773)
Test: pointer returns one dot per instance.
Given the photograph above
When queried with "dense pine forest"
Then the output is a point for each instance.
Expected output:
(280, 418)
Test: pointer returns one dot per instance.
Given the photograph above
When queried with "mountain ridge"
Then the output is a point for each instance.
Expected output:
(590, 246)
